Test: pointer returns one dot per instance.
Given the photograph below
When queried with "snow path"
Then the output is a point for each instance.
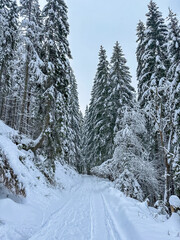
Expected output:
(90, 209)
(86, 215)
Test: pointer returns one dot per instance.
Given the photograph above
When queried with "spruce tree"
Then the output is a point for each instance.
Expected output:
(74, 125)
(8, 43)
(27, 68)
(120, 92)
(152, 91)
(55, 54)
(173, 103)
(154, 57)
(139, 53)
(97, 128)
(84, 142)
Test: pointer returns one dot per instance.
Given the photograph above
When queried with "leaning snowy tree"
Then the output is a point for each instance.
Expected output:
(130, 168)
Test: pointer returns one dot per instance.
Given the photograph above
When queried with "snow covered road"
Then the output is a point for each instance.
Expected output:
(85, 216)
(95, 211)
(89, 210)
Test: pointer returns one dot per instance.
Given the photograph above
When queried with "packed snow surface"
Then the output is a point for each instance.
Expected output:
(90, 210)
(75, 208)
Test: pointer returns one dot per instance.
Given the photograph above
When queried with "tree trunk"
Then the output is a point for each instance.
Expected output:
(167, 173)
(25, 93)
(29, 132)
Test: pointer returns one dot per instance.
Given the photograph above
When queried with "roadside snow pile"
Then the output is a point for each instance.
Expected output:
(18, 172)
(6, 131)
(104, 170)
(21, 221)
(12, 170)
(26, 197)
(174, 201)
(138, 217)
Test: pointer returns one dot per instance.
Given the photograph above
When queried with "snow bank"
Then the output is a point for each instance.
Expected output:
(141, 221)
(174, 201)
(20, 171)
(21, 217)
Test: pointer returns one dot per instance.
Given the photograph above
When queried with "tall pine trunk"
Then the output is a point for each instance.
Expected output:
(25, 93)
(2, 95)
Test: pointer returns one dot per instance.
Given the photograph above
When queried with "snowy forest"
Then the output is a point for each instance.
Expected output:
(129, 137)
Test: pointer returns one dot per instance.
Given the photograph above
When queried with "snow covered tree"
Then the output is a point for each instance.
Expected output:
(154, 57)
(97, 112)
(139, 53)
(49, 81)
(110, 93)
(152, 90)
(173, 104)
(27, 66)
(55, 55)
(130, 167)
(84, 141)
(8, 42)
(73, 134)
(131, 152)
(120, 91)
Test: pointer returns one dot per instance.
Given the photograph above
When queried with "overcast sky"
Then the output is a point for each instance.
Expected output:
(103, 22)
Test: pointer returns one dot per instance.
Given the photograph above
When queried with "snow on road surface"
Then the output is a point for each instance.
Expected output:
(77, 208)
(93, 210)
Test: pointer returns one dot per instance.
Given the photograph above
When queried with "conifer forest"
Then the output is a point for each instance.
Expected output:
(128, 138)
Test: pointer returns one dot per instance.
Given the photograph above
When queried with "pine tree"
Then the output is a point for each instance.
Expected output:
(84, 142)
(154, 57)
(173, 104)
(8, 42)
(97, 142)
(139, 53)
(152, 91)
(90, 156)
(28, 64)
(120, 92)
(74, 157)
(55, 54)
(130, 168)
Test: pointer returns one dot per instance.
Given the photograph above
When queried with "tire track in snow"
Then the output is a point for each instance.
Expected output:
(56, 212)
(99, 227)
(73, 223)
(120, 225)
(53, 219)
(91, 217)
(112, 225)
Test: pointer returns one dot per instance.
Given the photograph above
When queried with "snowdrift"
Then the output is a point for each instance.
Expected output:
(18, 173)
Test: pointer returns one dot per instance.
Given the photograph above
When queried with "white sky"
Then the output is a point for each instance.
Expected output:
(103, 22)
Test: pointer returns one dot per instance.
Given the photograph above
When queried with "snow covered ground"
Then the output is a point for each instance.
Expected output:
(90, 210)
(77, 208)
